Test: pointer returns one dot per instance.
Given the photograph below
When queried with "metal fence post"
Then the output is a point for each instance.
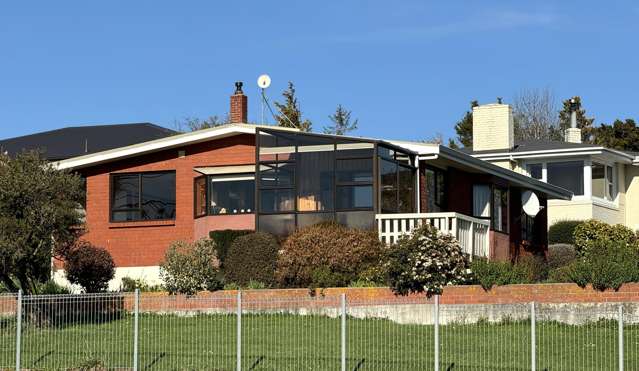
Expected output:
(620, 337)
(136, 328)
(343, 337)
(533, 340)
(436, 319)
(18, 329)
(239, 331)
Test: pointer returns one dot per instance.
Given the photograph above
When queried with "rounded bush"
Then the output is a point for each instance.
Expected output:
(252, 258)
(560, 255)
(593, 232)
(223, 240)
(191, 267)
(425, 261)
(563, 232)
(327, 247)
(90, 267)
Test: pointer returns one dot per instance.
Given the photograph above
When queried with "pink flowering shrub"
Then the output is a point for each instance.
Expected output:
(426, 261)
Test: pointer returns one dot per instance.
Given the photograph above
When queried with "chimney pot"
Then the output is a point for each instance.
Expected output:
(239, 105)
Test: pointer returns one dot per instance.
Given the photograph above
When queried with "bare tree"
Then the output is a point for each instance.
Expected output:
(194, 123)
(536, 115)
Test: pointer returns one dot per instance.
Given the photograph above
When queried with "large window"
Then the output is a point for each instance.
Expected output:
(535, 171)
(491, 202)
(603, 182)
(568, 175)
(304, 179)
(396, 181)
(225, 194)
(143, 196)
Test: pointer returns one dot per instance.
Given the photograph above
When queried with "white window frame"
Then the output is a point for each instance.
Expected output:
(614, 182)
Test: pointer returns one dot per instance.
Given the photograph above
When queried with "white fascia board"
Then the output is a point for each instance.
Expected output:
(513, 156)
(615, 155)
(418, 148)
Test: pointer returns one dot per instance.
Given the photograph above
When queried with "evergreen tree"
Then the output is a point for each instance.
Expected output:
(341, 122)
(583, 122)
(290, 114)
(622, 135)
(464, 127)
(194, 123)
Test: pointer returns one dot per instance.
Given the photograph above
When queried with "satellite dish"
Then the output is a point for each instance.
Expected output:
(530, 203)
(264, 81)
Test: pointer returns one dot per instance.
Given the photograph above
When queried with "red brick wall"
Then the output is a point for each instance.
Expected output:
(144, 243)
(206, 224)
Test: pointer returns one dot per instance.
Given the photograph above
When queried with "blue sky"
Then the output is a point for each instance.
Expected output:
(407, 69)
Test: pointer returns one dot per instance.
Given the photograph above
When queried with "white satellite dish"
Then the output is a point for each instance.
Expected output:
(530, 203)
(264, 81)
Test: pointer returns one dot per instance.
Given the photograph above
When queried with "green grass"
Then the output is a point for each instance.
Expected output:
(296, 342)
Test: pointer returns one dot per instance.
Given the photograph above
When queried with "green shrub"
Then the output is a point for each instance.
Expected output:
(90, 267)
(560, 255)
(343, 251)
(256, 285)
(191, 267)
(563, 232)
(531, 269)
(426, 261)
(129, 284)
(561, 274)
(223, 240)
(52, 288)
(527, 269)
(608, 265)
(252, 257)
(593, 232)
(232, 286)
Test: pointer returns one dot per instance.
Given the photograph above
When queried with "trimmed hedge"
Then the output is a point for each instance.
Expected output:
(560, 255)
(223, 240)
(593, 232)
(327, 253)
(252, 258)
(563, 232)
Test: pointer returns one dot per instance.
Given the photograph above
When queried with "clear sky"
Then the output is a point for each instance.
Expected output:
(407, 69)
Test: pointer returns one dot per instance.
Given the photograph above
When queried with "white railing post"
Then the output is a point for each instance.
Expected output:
(239, 331)
(472, 240)
(620, 337)
(533, 347)
(136, 329)
(18, 329)
(436, 319)
(343, 332)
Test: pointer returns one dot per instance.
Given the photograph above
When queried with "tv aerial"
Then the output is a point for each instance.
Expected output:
(263, 82)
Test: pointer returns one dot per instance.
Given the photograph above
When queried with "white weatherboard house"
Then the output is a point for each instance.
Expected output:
(604, 181)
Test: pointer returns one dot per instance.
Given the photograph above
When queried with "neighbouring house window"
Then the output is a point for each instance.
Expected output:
(603, 182)
(435, 190)
(499, 217)
(481, 200)
(143, 196)
(568, 175)
(233, 194)
(535, 171)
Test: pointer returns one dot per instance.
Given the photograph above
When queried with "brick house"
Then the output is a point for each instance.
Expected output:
(144, 196)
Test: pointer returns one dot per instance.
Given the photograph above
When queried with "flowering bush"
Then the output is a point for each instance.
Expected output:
(191, 267)
(426, 261)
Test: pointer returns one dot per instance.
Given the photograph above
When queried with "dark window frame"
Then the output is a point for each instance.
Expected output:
(139, 209)
(206, 196)
(505, 217)
(398, 164)
(442, 204)
(208, 181)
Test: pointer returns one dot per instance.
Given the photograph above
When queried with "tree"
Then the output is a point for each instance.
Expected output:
(535, 115)
(584, 123)
(464, 128)
(341, 122)
(39, 218)
(290, 115)
(194, 123)
(622, 135)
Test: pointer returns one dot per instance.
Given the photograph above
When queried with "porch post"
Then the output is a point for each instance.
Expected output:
(471, 238)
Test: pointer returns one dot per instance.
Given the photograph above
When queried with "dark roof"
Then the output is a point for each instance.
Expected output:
(74, 141)
(534, 145)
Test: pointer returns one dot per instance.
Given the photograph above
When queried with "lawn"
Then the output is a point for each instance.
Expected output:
(296, 342)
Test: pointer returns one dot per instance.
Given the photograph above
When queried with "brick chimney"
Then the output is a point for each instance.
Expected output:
(239, 105)
(493, 127)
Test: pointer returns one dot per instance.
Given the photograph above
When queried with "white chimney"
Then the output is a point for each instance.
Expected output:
(573, 134)
(493, 127)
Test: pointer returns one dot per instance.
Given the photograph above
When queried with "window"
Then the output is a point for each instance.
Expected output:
(536, 171)
(315, 187)
(354, 184)
(234, 194)
(388, 185)
(200, 196)
(143, 196)
(396, 181)
(568, 175)
(527, 227)
(603, 182)
(481, 201)
(435, 190)
(499, 218)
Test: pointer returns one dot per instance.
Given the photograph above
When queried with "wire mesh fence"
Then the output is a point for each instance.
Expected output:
(127, 331)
